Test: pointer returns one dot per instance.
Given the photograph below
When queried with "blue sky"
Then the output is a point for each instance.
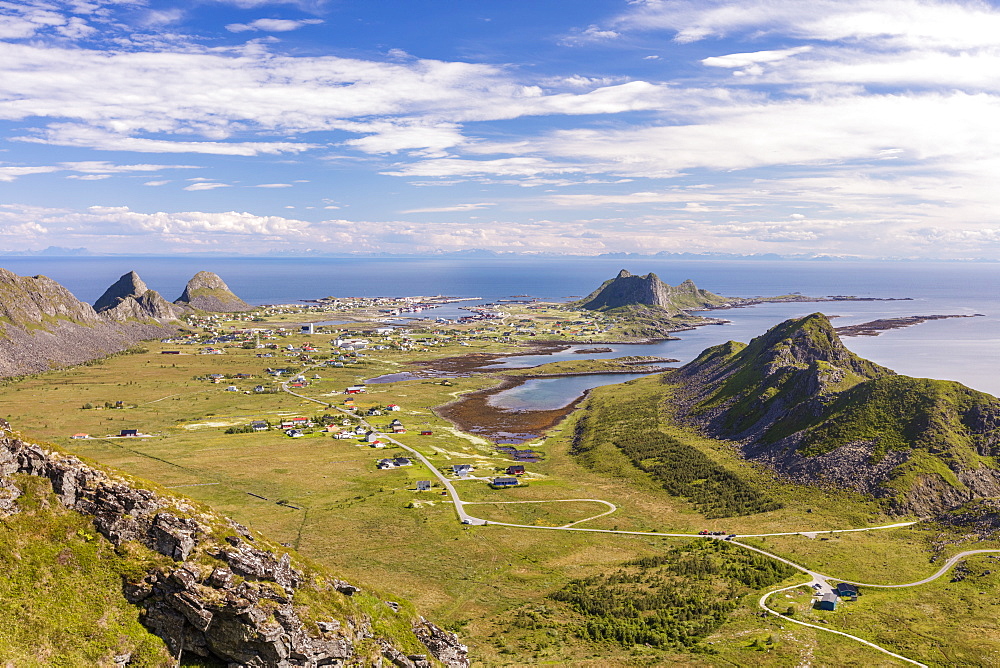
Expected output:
(844, 127)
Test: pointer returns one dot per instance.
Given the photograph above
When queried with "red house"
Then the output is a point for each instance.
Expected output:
(516, 469)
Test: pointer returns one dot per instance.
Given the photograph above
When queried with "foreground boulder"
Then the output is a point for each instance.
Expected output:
(220, 591)
(207, 292)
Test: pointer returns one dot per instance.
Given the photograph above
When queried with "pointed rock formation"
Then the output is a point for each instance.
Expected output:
(129, 285)
(799, 400)
(626, 289)
(43, 325)
(130, 299)
(207, 292)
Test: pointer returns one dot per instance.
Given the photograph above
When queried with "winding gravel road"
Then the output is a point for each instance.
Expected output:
(816, 578)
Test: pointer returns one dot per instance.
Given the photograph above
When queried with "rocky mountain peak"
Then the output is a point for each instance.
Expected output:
(809, 341)
(129, 298)
(797, 399)
(627, 289)
(128, 285)
(208, 292)
(207, 280)
(27, 301)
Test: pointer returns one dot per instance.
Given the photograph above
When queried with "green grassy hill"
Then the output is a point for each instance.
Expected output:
(798, 399)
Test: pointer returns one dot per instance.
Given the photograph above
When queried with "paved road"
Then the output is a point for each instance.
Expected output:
(459, 510)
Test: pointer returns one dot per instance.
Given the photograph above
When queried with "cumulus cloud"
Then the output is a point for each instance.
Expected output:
(750, 63)
(65, 134)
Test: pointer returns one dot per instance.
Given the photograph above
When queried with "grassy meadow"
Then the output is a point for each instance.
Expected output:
(493, 584)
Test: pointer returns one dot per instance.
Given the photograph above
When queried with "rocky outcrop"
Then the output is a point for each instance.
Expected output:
(627, 290)
(129, 285)
(130, 299)
(42, 325)
(796, 399)
(207, 292)
(223, 593)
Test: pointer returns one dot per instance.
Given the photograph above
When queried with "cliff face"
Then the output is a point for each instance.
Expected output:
(130, 299)
(627, 289)
(224, 592)
(207, 292)
(797, 399)
(42, 325)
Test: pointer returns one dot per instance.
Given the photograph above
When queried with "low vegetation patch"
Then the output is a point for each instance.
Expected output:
(671, 600)
(683, 470)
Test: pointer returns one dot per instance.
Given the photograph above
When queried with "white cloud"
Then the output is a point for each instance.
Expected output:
(202, 185)
(456, 207)
(12, 172)
(158, 18)
(120, 229)
(229, 222)
(156, 183)
(912, 23)
(113, 99)
(500, 166)
(272, 25)
(272, 185)
(740, 60)
(65, 134)
(95, 168)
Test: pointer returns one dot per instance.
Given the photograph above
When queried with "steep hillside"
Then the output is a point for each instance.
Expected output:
(42, 325)
(207, 292)
(144, 576)
(628, 290)
(797, 399)
(130, 299)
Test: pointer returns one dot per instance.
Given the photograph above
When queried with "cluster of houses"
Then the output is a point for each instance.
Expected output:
(464, 470)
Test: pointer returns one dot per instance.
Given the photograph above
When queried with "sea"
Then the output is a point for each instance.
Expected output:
(962, 349)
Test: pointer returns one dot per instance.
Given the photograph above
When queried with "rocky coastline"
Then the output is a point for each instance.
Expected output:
(876, 327)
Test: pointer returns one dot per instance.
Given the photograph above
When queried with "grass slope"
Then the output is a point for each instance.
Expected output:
(61, 591)
(684, 471)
